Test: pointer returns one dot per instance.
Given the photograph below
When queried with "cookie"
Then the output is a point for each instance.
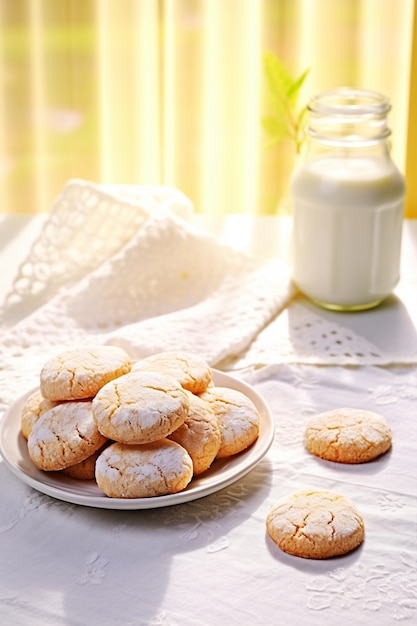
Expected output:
(199, 434)
(237, 416)
(348, 435)
(143, 471)
(191, 371)
(140, 407)
(85, 470)
(64, 436)
(315, 525)
(80, 373)
(34, 406)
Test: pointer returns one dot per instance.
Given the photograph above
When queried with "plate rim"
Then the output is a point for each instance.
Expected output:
(221, 379)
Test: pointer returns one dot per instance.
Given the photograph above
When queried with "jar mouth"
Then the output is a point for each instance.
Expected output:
(347, 101)
(349, 115)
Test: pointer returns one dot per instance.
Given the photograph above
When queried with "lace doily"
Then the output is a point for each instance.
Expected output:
(124, 265)
(298, 335)
(87, 224)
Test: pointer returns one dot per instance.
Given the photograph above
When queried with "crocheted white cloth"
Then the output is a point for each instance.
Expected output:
(125, 266)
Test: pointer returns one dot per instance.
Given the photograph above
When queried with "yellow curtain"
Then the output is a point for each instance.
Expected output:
(411, 154)
(173, 92)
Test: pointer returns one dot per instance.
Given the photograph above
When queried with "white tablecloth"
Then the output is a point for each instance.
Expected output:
(209, 562)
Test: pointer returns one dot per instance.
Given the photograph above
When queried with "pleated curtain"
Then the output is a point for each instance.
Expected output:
(173, 92)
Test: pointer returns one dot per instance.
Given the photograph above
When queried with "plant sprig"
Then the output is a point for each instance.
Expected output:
(287, 120)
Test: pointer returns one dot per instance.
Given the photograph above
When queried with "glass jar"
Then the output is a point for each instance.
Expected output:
(347, 203)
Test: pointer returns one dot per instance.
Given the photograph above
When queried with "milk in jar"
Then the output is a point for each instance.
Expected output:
(347, 203)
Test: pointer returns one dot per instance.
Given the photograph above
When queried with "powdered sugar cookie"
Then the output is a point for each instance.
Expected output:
(199, 434)
(154, 469)
(315, 525)
(34, 406)
(237, 416)
(64, 436)
(140, 407)
(86, 469)
(348, 435)
(80, 373)
(190, 370)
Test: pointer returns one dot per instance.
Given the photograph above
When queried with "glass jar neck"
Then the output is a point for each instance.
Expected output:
(317, 147)
(347, 117)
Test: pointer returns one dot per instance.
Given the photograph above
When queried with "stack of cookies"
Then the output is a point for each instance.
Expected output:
(139, 429)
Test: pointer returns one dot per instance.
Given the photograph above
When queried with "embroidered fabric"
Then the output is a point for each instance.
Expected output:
(75, 565)
(298, 335)
(125, 265)
(87, 224)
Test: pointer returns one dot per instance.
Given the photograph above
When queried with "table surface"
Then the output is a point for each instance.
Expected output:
(210, 562)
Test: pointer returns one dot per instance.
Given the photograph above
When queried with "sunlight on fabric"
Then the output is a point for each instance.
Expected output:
(5, 159)
(38, 104)
(128, 79)
(103, 75)
(232, 75)
(173, 92)
(148, 140)
(173, 96)
(411, 198)
(386, 68)
(238, 232)
(179, 91)
(331, 57)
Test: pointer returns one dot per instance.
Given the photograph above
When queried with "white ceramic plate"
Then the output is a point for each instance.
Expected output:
(223, 472)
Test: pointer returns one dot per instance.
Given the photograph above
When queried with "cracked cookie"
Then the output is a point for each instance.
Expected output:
(199, 434)
(86, 469)
(315, 525)
(142, 471)
(64, 436)
(238, 419)
(192, 372)
(348, 435)
(80, 373)
(35, 406)
(140, 407)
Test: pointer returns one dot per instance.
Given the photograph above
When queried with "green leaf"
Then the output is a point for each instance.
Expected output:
(279, 81)
(274, 127)
(286, 121)
(296, 86)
